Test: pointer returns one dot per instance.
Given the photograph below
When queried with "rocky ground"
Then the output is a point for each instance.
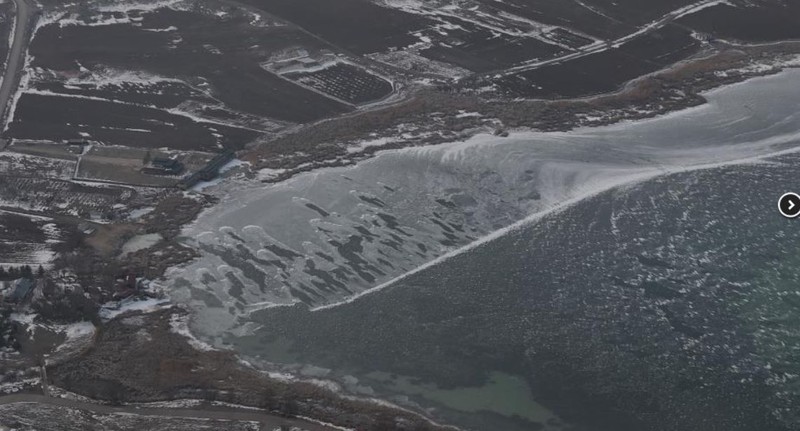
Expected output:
(140, 357)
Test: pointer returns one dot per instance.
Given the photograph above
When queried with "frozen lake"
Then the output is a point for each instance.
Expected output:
(327, 238)
(324, 237)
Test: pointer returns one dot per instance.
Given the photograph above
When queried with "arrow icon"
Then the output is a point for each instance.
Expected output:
(789, 205)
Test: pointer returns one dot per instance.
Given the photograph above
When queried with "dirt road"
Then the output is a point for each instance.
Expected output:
(598, 47)
(24, 20)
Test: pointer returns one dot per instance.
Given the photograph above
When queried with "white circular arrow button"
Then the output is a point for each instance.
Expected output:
(789, 205)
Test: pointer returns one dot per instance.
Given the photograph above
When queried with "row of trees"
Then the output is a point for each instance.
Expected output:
(24, 271)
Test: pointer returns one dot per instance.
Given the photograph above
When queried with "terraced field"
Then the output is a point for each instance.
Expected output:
(345, 82)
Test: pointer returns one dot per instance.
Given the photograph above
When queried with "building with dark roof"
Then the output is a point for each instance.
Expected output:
(164, 166)
(22, 290)
(209, 172)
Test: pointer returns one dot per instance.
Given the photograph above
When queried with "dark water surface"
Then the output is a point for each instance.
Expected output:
(669, 305)
(647, 285)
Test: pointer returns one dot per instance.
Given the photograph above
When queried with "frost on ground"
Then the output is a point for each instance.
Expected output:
(111, 310)
(62, 341)
(267, 174)
(42, 417)
(179, 324)
(766, 66)
(107, 76)
(23, 318)
(140, 212)
(79, 336)
(14, 163)
(17, 386)
(174, 404)
(191, 403)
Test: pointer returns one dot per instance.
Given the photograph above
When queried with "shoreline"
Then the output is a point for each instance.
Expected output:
(185, 347)
(645, 175)
(633, 179)
(676, 88)
(621, 178)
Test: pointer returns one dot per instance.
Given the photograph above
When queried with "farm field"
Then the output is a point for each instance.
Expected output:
(61, 197)
(605, 19)
(779, 21)
(130, 88)
(604, 71)
(184, 79)
(41, 161)
(27, 239)
(480, 50)
(123, 165)
(190, 76)
(102, 164)
(477, 41)
(357, 26)
(43, 150)
(56, 118)
(345, 82)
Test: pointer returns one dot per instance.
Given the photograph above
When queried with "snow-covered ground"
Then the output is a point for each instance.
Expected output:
(76, 333)
(114, 309)
(78, 337)
(140, 242)
(140, 212)
(179, 324)
(29, 165)
(103, 77)
(17, 386)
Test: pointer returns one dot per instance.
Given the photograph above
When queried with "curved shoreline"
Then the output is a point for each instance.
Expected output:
(644, 175)
(670, 90)
(655, 162)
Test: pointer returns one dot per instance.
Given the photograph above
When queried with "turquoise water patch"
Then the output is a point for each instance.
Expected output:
(504, 394)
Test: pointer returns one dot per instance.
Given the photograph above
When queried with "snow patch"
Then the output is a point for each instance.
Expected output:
(269, 174)
(363, 145)
(140, 242)
(79, 336)
(180, 325)
(111, 310)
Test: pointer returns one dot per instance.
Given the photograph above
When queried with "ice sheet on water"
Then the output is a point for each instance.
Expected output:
(329, 236)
